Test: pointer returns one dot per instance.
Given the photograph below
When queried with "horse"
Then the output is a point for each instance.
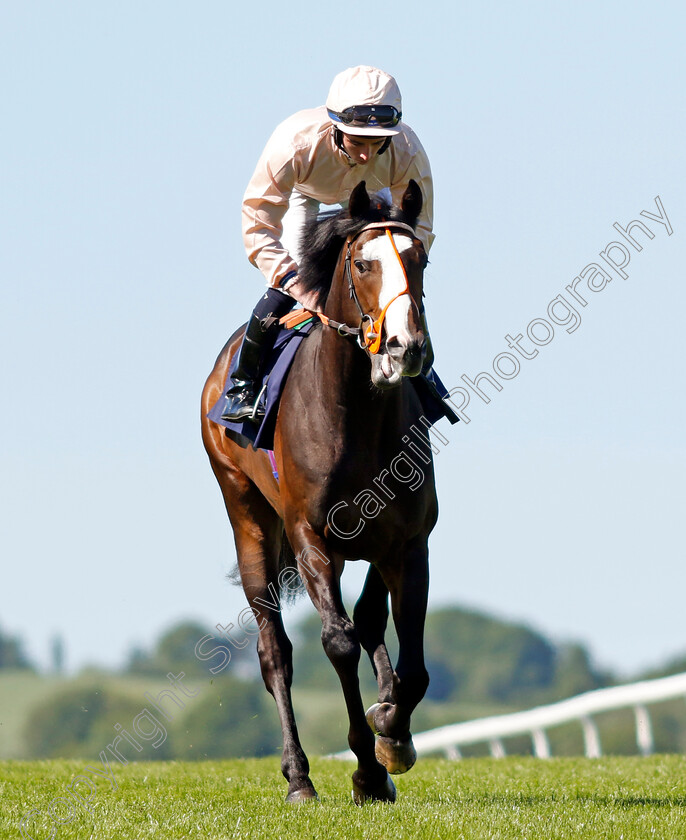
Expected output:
(345, 489)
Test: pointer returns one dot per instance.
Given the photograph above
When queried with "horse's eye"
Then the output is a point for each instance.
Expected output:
(360, 266)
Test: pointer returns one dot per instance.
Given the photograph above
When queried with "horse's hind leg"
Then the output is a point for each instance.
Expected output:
(371, 618)
(258, 533)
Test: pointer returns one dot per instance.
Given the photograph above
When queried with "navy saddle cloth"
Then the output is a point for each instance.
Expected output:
(276, 367)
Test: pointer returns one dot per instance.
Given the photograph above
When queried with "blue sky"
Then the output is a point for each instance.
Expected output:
(129, 134)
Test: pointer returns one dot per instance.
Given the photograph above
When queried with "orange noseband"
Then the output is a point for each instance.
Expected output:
(373, 331)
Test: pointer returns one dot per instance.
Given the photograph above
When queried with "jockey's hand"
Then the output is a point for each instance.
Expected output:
(307, 298)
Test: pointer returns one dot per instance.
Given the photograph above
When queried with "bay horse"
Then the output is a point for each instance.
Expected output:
(341, 493)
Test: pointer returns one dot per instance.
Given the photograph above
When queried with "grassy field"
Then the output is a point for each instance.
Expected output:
(604, 799)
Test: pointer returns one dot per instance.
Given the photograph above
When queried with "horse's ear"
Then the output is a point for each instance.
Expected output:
(411, 204)
(359, 204)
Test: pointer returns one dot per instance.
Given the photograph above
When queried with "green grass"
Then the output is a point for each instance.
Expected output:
(627, 798)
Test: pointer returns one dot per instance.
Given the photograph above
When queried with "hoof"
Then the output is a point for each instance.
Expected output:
(396, 756)
(300, 796)
(384, 793)
(371, 713)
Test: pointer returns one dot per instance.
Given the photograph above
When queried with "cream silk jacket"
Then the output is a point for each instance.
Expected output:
(302, 167)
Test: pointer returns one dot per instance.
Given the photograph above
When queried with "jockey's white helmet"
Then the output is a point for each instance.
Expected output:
(365, 101)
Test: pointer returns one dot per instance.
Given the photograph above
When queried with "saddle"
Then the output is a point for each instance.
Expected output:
(294, 328)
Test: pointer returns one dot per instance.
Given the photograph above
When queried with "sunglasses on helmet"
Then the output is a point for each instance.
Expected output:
(385, 116)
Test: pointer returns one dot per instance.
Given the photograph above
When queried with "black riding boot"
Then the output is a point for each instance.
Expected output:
(257, 342)
(427, 374)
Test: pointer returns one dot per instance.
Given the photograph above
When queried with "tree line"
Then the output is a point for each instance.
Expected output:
(478, 665)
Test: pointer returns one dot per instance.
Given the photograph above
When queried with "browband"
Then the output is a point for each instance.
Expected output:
(392, 225)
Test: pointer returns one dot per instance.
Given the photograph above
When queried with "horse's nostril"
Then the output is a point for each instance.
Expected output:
(405, 352)
(414, 351)
(395, 348)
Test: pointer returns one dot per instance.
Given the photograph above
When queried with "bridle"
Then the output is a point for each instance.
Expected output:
(368, 334)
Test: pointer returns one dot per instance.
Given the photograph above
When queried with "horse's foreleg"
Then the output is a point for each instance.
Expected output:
(339, 639)
(408, 583)
(258, 532)
(275, 652)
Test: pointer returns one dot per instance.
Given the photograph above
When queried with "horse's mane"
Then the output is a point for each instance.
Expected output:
(323, 237)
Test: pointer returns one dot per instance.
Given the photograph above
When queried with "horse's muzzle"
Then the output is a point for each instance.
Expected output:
(407, 356)
(398, 359)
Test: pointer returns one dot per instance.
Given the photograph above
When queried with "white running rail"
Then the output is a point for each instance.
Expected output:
(536, 721)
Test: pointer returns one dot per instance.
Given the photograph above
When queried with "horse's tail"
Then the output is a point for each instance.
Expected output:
(291, 586)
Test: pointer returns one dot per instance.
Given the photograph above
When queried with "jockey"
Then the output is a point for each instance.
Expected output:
(318, 156)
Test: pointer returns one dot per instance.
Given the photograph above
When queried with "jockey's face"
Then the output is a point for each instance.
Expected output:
(362, 148)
